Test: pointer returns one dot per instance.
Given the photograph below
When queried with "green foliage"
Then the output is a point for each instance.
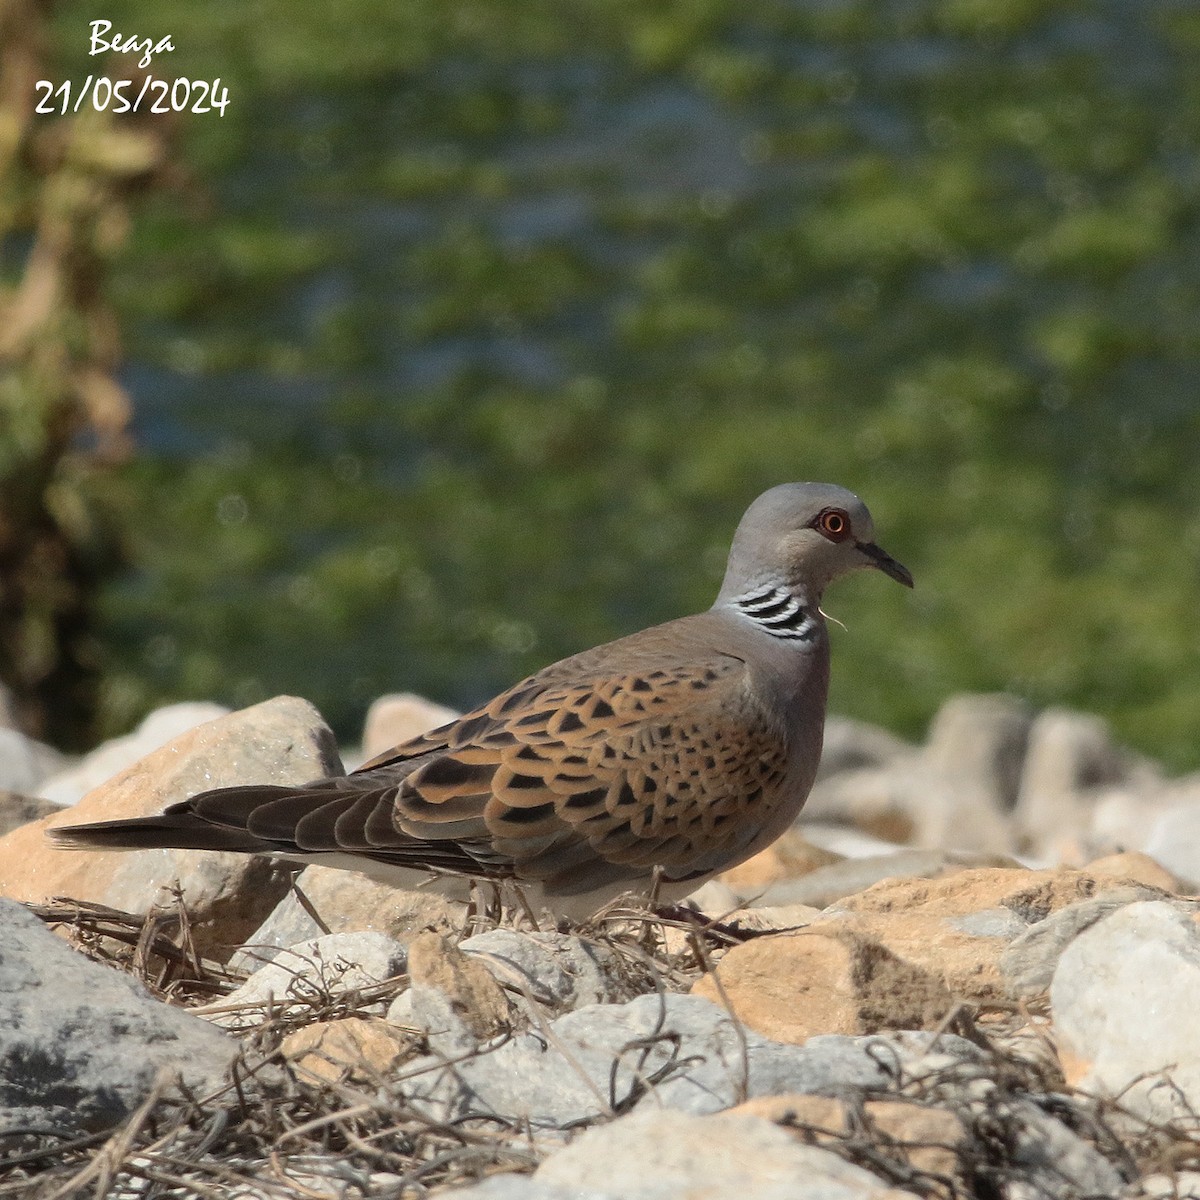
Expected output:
(491, 317)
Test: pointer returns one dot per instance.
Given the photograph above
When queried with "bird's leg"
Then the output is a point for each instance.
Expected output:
(484, 914)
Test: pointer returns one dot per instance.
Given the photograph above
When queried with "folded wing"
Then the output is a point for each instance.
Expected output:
(575, 784)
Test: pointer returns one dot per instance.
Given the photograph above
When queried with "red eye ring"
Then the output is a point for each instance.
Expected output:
(833, 523)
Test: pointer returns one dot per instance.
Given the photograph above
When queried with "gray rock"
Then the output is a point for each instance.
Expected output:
(851, 744)
(912, 802)
(1125, 818)
(559, 971)
(1029, 961)
(430, 1011)
(25, 763)
(544, 974)
(1071, 752)
(844, 840)
(1180, 1185)
(944, 1064)
(1051, 1162)
(80, 1043)
(955, 792)
(348, 902)
(1174, 841)
(873, 800)
(70, 784)
(670, 1051)
(1070, 764)
(17, 809)
(714, 899)
(522, 1187)
(1123, 998)
(663, 1155)
(310, 973)
(980, 740)
(999, 922)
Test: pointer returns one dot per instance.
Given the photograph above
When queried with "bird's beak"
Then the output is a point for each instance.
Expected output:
(886, 563)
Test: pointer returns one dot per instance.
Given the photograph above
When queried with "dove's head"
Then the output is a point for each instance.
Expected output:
(801, 537)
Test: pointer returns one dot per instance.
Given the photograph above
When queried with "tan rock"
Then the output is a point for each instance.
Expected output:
(228, 895)
(965, 961)
(823, 1116)
(1135, 866)
(824, 980)
(359, 1050)
(957, 927)
(788, 858)
(927, 1137)
(346, 902)
(921, 1137)
(828, 885)
(163, 725)
(474, 996)
(1032, 895)
(757, 872)
(394, 719)
(782, 918)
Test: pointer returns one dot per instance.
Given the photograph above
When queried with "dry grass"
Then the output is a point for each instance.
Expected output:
(273, 1132)
(277, 1134)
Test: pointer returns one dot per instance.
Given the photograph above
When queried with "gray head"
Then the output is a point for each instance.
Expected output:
(800, 537)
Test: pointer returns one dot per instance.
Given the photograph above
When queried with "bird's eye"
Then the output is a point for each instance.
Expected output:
(834, 523)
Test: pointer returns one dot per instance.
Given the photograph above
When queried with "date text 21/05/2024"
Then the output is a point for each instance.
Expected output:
(153, 95)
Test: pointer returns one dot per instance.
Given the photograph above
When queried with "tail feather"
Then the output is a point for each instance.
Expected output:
(214, 820)
(174, 830)
(296, 822)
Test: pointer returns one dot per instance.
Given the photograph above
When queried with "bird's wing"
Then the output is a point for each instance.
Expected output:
(573, 783)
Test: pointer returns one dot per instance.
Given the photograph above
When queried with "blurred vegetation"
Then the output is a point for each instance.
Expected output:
(64, 195)
(489, 318)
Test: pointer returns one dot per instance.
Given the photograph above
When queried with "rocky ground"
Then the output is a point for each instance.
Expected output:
(972, 977)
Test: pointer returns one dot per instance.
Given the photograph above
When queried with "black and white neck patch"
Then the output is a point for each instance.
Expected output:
(780, 613)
